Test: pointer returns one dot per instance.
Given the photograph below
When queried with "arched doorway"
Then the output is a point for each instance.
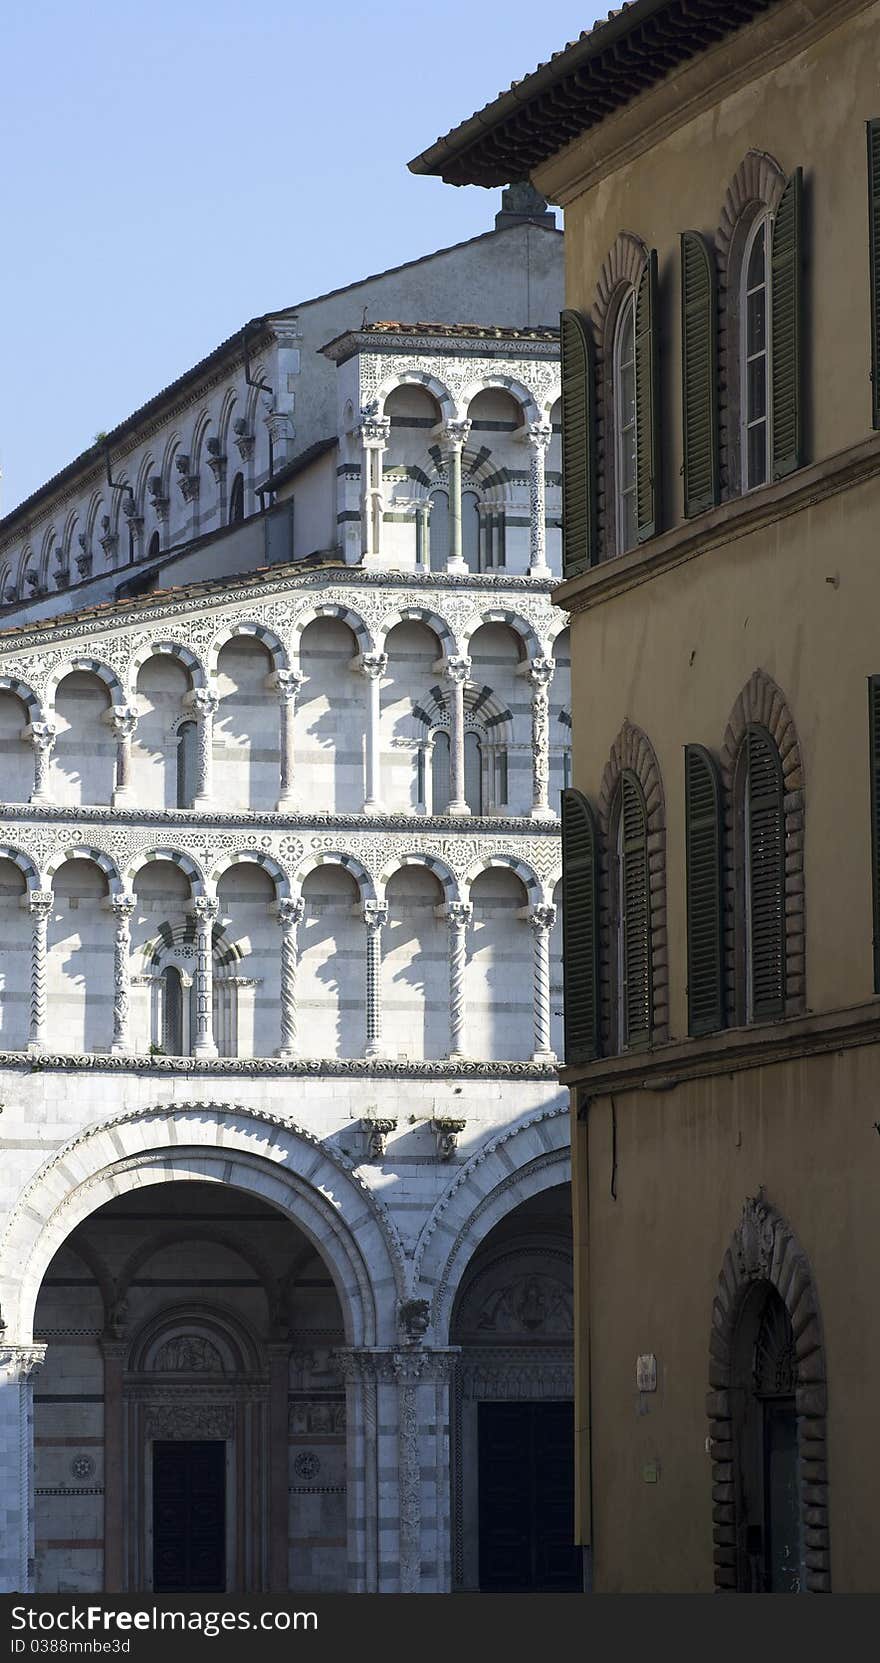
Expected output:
(513, 1414)
(189, 1418)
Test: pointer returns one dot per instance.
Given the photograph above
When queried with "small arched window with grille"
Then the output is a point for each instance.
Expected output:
(759, 857)
(187, 744)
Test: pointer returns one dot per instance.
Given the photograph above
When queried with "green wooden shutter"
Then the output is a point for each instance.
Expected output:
(580, 935)
(786, 329)
(703, 847)
(874, 731)
(647, 406)
(874, 262)
(635, 903)
(765, 848)
(579, 543)
(699, 375)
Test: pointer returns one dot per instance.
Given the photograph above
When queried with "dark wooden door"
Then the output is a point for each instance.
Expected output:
(189, 1517)
(526, 1498)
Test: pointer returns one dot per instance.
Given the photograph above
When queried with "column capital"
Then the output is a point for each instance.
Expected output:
(203, 702)
(454, 434)
(123, 719)
(21, 1362)
(375, 914)
(373, 664)
(374, 430)
(289, 910)
(459, 913)
(122, 905)
(542, 917)
(539, 434)
(408, 1365)
(42, 735)
(541, 671)
(40, 900)
(287, 683)
(205, 907)
(457, 669)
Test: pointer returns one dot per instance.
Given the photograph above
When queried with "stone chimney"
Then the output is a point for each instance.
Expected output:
(522, 205)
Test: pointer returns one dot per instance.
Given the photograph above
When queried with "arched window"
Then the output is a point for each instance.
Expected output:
(759, 859)
(470, 530)
(633, 981)
(172, 1012)
(473, 773)
(755, 348)
(187, 743)
(625, 436)
(767, 1486)
(153, 550)
(236, 500)
(440, 773)
(438, 531)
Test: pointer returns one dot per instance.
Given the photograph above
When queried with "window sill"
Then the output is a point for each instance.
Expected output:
(717, 526)
(729, 1051)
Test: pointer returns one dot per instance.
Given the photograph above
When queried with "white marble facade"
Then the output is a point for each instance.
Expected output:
(284, 1154)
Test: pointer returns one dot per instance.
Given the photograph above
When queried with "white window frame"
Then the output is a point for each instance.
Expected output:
(626, 310)
(764, 220)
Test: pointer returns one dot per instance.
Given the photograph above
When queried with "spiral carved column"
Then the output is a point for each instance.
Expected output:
(540, 673)
(205, 909)
(290, 913)
(375, 915)
(40, 905)
(458, 914)
(42, 736)
(204, 705)
(122, 907)
(541, 920)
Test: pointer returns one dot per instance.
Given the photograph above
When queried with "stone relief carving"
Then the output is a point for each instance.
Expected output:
(532, 1304)
(183, 1420)
(316, 1416)
(188, 1354)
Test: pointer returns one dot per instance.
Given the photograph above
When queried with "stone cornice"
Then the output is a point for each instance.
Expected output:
(722, 525)
(737, 60)
(370, 1068)
(295, 582)
(411, 825)
(460, 346)
(728, 1052)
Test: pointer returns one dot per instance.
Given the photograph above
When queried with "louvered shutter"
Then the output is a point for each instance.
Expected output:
(635, 900)
(874, 262)
(786, 331)
(703, 849)
(765, 850)
(874, 731)
(647, 409)
(699, 376)
(580, 938)
(579, 545)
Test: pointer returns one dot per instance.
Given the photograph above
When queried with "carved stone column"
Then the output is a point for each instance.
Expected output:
(540, 674)
(205, 908)
(456, 672)
(373, 665)
(455, 437)
(204, 705)
(40, 905)
(458, 914)
(290, 911)
(423, 534)
(374, 437)
(122, 907)
(541, 920)
(288, 683)
(279, 1528)
(539, 436)
(123, 720)
(42, 737)
(18, 1366)
(114, 1350)
(375, 915)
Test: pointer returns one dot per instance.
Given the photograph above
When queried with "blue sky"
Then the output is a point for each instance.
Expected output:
(172, 169)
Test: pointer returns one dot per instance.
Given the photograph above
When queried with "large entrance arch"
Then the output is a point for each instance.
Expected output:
(177, 1361)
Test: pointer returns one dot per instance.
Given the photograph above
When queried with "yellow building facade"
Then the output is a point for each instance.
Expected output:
(723, 500)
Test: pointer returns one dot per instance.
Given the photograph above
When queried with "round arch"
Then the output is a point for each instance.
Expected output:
(520, 626)
(441, 872)
(521, 1162)
(94, 667)
(167, 649)
(420, 615)
(245, 1149)
(252, 857)
(249, 626)
(13, 684)
(335, 857)
(417, 378)
(185, 862)
(331, 609)
(518, 391)
(526, 874)
(85, 851)
(24, 863)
